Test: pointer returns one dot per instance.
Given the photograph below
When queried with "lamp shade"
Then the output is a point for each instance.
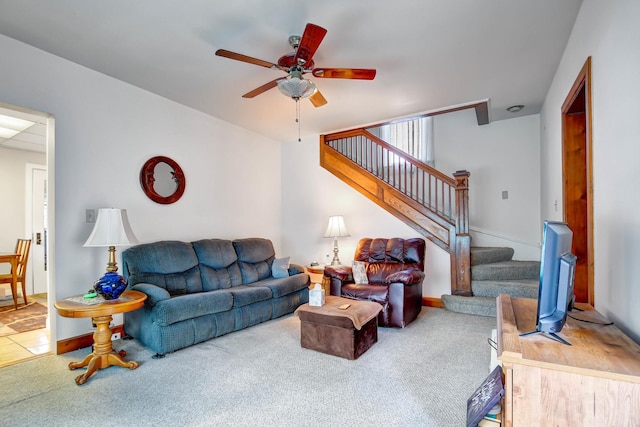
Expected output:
(336, 227)
(111, 229)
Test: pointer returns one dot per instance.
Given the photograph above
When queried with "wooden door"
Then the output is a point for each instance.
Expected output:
(578, 179)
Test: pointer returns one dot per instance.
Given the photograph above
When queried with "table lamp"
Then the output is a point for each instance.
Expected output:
(335, 229)
(111, 229)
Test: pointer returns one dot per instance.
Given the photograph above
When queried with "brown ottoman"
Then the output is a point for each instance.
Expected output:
(343, 333)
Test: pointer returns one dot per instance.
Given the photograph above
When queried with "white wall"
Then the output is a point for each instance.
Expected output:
(610, 34)
(105, 131)
(12, 188)
(501, 156)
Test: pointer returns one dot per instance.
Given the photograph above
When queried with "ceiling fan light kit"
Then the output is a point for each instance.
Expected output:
(296, 88)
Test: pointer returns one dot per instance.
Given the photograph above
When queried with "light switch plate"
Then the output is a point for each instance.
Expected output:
(90, 215)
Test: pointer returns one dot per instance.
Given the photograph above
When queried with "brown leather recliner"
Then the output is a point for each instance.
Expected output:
(395, 271)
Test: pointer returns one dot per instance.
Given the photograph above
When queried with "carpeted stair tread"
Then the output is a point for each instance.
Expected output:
(506, 270)
(480, 306)
(486, 255)
(494, 272)
(520, 288)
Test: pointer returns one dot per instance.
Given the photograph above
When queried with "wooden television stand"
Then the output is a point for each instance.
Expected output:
(595, 382)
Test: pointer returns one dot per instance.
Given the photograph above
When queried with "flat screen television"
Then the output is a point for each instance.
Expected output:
(557, 273)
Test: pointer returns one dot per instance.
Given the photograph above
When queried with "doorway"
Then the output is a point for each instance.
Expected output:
(37, 187)
(577, 179)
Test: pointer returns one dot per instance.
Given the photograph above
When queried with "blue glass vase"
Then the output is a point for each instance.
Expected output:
(110, 286)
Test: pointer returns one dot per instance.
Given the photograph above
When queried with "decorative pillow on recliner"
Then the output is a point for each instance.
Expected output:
(280, 268)
(359, 270)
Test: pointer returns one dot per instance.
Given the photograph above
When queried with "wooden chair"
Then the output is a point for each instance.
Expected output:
(22, 249)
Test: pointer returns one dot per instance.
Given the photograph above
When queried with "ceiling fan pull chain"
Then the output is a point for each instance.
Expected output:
(298, 118)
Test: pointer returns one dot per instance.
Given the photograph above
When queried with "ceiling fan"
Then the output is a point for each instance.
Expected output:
(298, 63)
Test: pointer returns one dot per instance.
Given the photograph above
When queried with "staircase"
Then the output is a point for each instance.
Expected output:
(494, 272)
(437, 207)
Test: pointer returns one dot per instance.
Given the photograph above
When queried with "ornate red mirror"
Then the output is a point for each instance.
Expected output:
(162, 180)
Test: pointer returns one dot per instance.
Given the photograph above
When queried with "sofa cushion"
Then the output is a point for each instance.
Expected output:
(218, 264)
(172, 265)
(255, 256)
(245, 295)
(402, 251)
(223, 278)
(215, 253)
(190, 306)
(285, 286)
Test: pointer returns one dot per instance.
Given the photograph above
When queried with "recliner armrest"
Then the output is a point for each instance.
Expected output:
(155, 294)
(342, 272)
(407, 277)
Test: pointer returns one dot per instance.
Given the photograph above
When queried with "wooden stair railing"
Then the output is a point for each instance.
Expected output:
(427, 200)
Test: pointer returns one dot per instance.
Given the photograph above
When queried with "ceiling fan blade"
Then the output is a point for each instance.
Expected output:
(345, 73)
(317, 99)
(311, 39)
(265, 87)
(245, 58)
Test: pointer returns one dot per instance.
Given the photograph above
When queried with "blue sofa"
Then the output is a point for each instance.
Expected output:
(200, 290)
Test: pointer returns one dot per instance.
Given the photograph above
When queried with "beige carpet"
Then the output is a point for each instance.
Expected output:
(261, 377)
(25, 318)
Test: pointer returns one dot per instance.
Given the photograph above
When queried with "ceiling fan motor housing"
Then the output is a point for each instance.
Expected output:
(289, 60)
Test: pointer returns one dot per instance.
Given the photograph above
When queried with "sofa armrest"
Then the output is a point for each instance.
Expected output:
(341, 272)
(295, 269)
(407, 277)
(155, 294)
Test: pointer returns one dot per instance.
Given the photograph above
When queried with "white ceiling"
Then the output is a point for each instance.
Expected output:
(31, 139)
(429, 54)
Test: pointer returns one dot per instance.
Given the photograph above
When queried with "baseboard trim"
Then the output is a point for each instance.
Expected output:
(82, 341)
(432, 302)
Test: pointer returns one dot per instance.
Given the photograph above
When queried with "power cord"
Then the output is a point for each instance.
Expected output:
(589, 321)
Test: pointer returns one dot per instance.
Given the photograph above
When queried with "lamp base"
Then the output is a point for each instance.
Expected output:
(335, 260)
(110, 286)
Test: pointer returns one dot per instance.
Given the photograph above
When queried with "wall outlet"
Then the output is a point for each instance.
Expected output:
(116, 336)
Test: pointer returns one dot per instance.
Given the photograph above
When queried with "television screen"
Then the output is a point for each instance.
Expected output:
(557, 272)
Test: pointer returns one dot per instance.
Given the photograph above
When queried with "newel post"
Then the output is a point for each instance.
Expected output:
(461, 255)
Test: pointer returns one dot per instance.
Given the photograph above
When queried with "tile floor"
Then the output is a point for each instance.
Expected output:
(17, 348)
(26, 345)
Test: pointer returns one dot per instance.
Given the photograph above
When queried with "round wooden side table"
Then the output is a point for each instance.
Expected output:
(103, 354)
(318, 270)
